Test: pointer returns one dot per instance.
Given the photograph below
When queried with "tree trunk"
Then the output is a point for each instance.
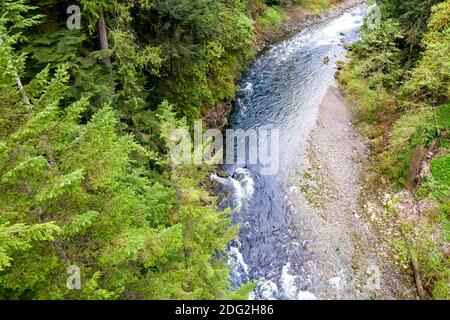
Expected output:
(417, 278)
(103, 39)
(22, 89)
(438, 131)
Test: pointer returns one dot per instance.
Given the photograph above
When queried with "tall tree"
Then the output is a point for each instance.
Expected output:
(95, 12)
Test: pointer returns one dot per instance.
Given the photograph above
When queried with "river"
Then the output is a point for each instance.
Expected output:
(282, 89)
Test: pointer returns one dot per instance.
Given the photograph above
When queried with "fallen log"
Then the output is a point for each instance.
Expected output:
(417, 278)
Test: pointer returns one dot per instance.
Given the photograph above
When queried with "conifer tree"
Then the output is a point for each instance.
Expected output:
(76, 189)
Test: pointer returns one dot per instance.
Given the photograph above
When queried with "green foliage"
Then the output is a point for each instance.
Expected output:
(413, 15)
(20, 237)
(377, 56)
(80, 177)
(315, 5)
(204, 54)
(423, 242)
(443, 116)
(399, 79)
(431, 77)
(76, 191)
(79, 223)
(56, 47)
(371, 105)
(243, 292)
(272, 17)
(412, 131)
(15, 16)
(440, 169)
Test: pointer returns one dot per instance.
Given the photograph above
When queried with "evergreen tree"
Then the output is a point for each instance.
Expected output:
(77, 190)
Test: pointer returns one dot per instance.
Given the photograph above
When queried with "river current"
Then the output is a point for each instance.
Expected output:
(282, 89)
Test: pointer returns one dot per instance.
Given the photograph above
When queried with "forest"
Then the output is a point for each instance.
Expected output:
(85, 122)
(87, 113)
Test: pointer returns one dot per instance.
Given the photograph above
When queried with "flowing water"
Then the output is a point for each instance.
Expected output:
(282, 89)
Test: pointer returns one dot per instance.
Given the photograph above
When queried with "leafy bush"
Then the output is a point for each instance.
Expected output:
(315, 5)
(271, 17)
(413, 130)
(440, 169)
(422, 241)
(378, 59)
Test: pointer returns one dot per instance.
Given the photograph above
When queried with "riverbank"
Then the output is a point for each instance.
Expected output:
(332, 248)
(297, 18)
(283, 244)
(404, 112)
(354, 260)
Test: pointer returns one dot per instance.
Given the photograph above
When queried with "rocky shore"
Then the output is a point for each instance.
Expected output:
(356, 261)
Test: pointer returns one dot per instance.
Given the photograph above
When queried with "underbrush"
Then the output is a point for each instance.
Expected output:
(403, 140)
(421, 241)
(315, 6)
(271, 17)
